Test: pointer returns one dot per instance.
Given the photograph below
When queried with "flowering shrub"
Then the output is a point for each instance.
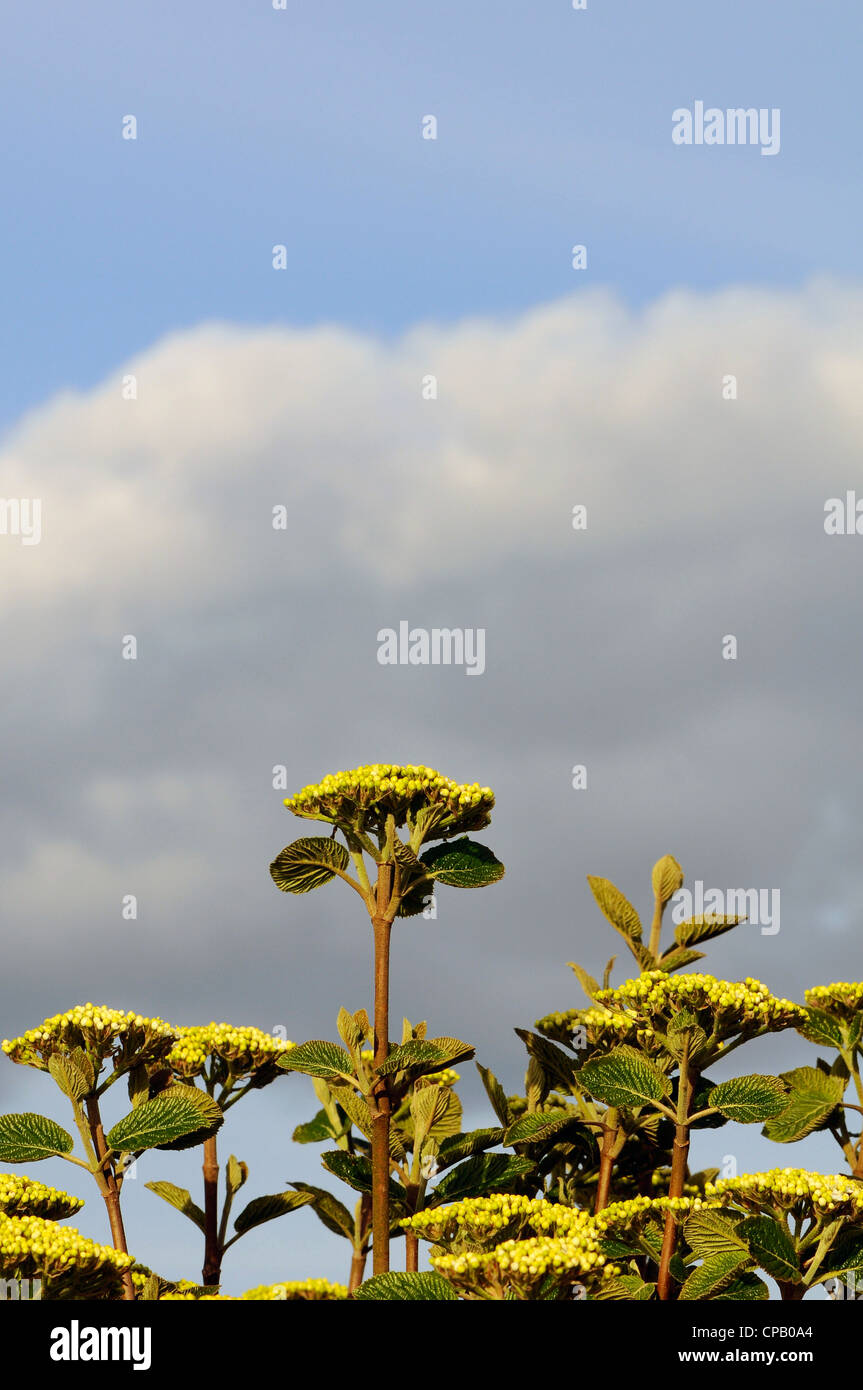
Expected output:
(578, 1189)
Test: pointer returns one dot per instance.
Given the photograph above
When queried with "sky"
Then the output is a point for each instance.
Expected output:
(165, 388)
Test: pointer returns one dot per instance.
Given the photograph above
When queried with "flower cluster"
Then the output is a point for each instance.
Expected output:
(70, 1265)
(724, 1008)
(219, 1052)
(592, 1031)
(309, 1290)
(619, 1216)
(485, 1220)
(20, 1196)
(813, 1194)
(843, 999)
(364, 798)
(519, 1267)
(99, 1032)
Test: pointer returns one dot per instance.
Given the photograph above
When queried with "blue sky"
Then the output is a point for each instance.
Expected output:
(302, 127)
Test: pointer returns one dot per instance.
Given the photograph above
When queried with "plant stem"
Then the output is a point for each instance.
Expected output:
(381, 1119)
(679, 1156)
(110, 1192)
(606, 1160)
(656, 927)
(791, 1293)
(361, 1235)
(212, 1270)
(358, 1269)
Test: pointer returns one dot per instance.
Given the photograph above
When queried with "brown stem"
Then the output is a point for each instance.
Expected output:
(791, 1293)
(361, 1234)
(212, 1270)
(110, 1192)
(381, 1118)
(358, 1269)
(412, 1252)
(656, 927)
(679, 1155)
(606, 1161)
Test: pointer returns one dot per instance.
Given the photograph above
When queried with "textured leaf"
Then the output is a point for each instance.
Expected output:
(744, 1288)
(677, 959)
(821, 1028)
(704, 928)
(714, 1274)
(138, 1085)
(308, 863)
(684, 1031)
(624, 1077)
(210, 1115)
(666, 878)
(699, 1101)
(26, 1138)
(356, 1109)
(478, 1175)
(616, 908)
(462, 864)
(329, 1210)
(356, 1171)
(844, 1256)
(314, 1131)
(433, 1114)
(812, 1098)
(749, 1099)
(157, 1121)
(268, 1208)
(629, 1287)
(424, 1056)
(496, 1094)
(459, 1146)
(181, 1199)
(401, 1288)
(72, 1081)
(771, 1246)
(709, 1233)
(557, 1066)
(532, 1129)
(318, 1058)
(348, 1030)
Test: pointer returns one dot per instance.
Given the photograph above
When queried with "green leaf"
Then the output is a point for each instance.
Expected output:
(533, 1129)
(559, 1068)
(269, 1208)
(181, 1199)
(749, 1099)
(329, 1210)
(844, 1257)
(348, 1030)
(308, 863)
(771, 1247)
(684, 1031)
(587, 982)
(744, 1288)
(677, 959)
(616, 908)
(314, 1131)
(72, 1082)
(401, 1288)
(714, 1274)
(138, 1084)
(704, 928)
(666, 878)
(460, 1146)
(318, 1058)
(158, 1121)
(462, 864)
(26, 1137)
(210, 1115)
(709, 1233)
(699, 1101)
(812, 1098)
(624, 1077)
(434, 1115)
(820, 1027)
(478, 1175)
(422, 1056)
(630, 1287)
(236, 1174)
(496, 1094)
(356, 1171)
